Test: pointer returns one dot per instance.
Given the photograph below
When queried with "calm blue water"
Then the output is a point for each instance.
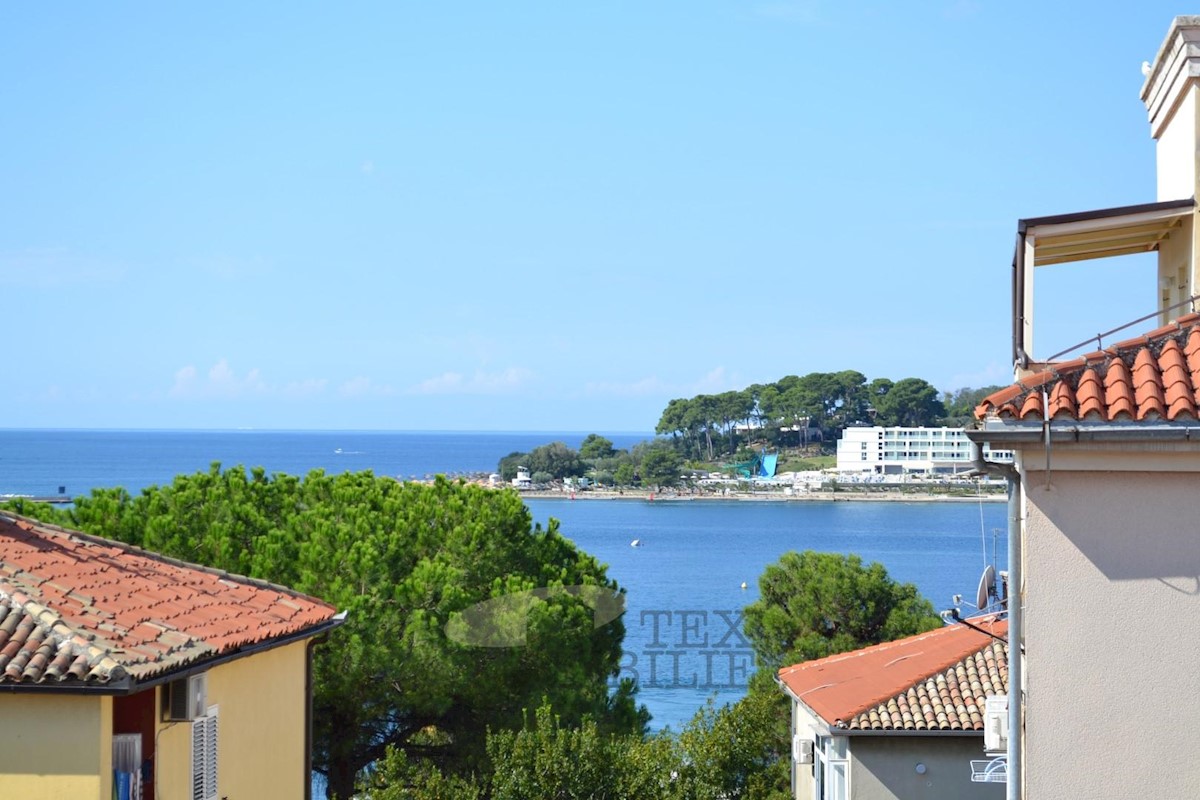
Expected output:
(683, 643)
(696, 554)
(38, 462)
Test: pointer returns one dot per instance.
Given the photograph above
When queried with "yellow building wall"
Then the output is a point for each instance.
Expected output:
(55, 746)
(260, 752)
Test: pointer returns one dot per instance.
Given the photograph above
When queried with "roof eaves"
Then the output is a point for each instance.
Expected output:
(1000, 430)
(870, 732)
(127, 684)
(1024, 225)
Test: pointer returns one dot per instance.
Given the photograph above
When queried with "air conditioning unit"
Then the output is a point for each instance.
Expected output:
(995, 724)
(187, 698)
(802, 750)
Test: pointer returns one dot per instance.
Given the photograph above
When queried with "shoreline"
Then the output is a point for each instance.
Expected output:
(840, 496)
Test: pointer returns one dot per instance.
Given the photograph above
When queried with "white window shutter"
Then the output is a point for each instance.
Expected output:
(204, 756)
(210, 756)
(198, 753)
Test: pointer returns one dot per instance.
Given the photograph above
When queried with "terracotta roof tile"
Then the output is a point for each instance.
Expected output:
(1151, 377)
(932, 681)
(1062, 401)
(77, 608)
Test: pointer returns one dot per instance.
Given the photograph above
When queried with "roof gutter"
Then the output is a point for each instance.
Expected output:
(898, 732)
(1024, 433)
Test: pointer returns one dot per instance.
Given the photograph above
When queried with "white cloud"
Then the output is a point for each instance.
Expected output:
(715, 381)
(305, 388)
(185, 382)
(220, 381)
(480, 383)
(646, 386)
(362, 386)
(355, 387)
(712, 382)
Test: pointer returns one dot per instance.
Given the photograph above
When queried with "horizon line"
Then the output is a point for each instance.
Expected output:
(248, 429)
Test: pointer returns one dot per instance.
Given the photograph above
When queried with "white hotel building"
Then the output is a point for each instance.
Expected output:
(899, 451)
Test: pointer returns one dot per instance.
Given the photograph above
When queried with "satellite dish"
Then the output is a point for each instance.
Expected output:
(987, 587)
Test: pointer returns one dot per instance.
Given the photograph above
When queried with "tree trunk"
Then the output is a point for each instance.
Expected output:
(341, 781)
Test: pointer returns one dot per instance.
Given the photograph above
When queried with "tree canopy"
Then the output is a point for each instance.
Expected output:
(813, 605)
(799, 411)
(909, 403)
(404, 560)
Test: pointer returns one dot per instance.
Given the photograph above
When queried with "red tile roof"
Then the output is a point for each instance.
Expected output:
(78, 608)
(1146, 379)
(934, 681)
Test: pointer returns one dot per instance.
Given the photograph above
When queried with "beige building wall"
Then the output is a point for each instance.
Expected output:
(1174, 271)
(1112, 626)
(55, 746)
(885, 768)
(260, 752)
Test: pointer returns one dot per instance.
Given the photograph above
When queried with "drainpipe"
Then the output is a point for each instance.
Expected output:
(1016, 687)
(1019, 355)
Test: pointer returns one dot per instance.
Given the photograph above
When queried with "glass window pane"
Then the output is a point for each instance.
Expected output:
(837, 781)
(837, 747)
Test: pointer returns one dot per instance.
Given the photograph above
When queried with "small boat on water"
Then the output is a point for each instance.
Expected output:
(636, 543)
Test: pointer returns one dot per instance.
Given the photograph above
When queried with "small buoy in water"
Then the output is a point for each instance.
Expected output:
(743, 584)
(636, 543)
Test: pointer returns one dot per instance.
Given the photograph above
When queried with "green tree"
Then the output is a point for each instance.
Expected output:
(739, 750)
(548, 760)
(508, 465)
(596, 447)
(660, 466)
(960, 405)
(404, 560)
(556, 460)
(813, 605)
(910, 403)
(398, 777)
(624, 474)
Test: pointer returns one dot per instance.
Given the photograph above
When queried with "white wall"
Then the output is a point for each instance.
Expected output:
(1112, 634)
(1176, 152)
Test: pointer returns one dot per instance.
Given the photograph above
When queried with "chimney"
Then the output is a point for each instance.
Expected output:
(1172, 97)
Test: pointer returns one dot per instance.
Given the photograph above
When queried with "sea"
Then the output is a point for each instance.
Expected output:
(694, 569)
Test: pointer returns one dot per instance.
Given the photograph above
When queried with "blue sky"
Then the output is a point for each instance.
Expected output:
(542, 215)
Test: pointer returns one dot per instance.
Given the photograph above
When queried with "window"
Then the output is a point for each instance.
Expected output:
(204, 756)
(831, 768)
